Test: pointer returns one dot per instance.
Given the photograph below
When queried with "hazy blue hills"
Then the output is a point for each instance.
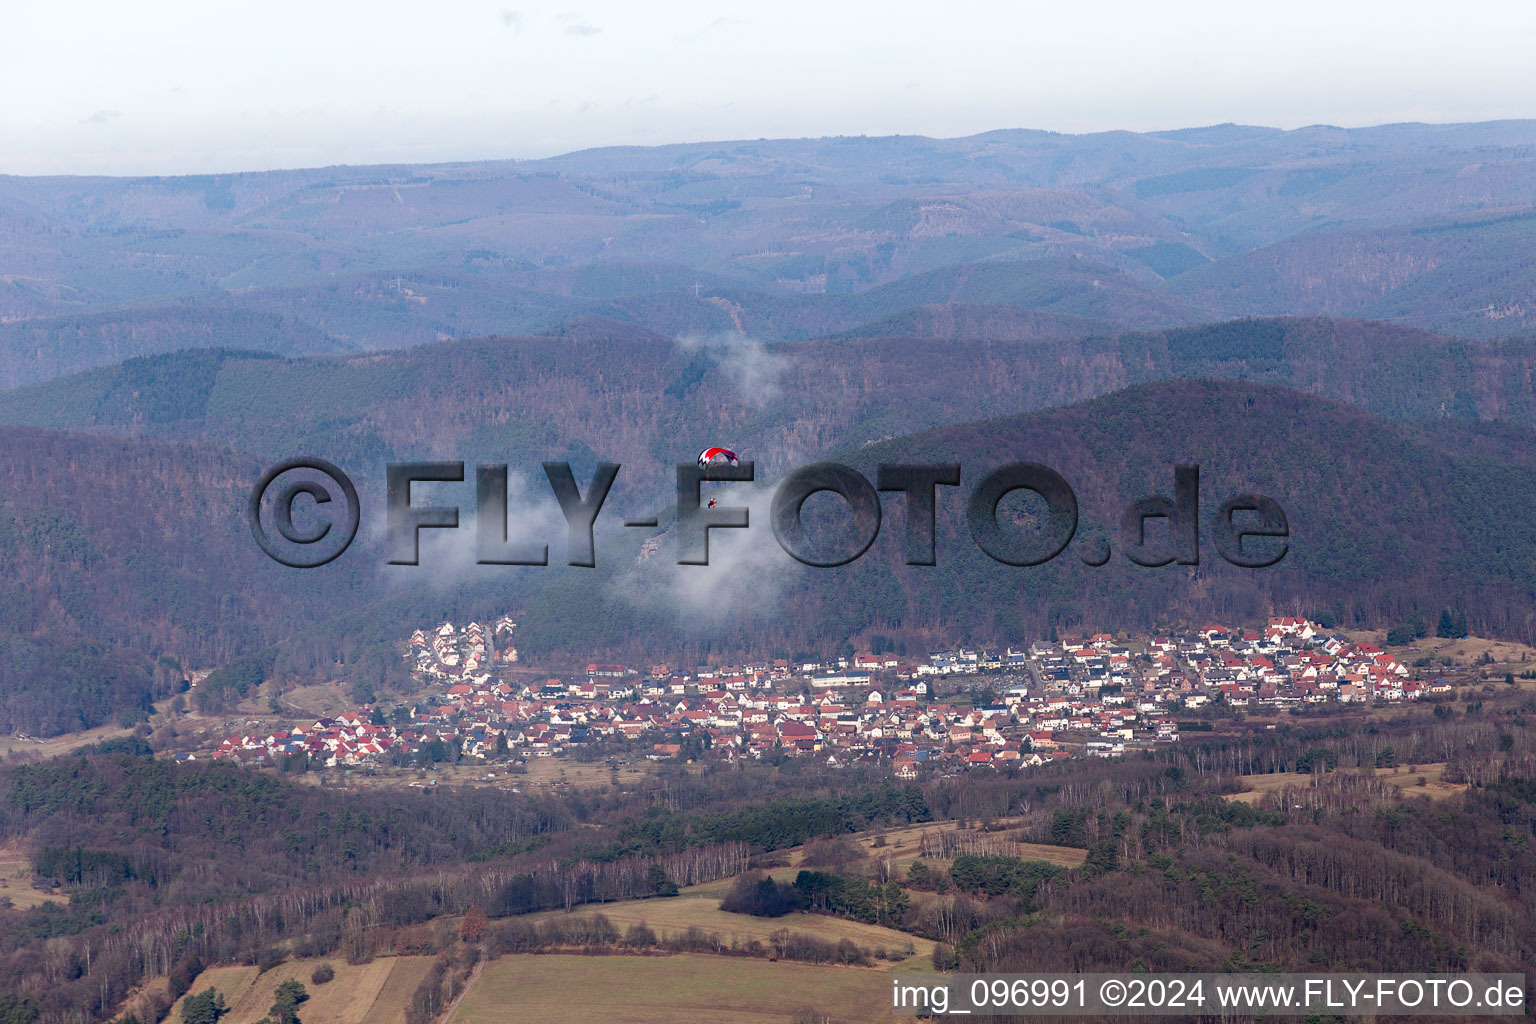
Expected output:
(782, 239)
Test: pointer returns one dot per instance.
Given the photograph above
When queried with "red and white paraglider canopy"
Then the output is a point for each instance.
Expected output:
(717, 456)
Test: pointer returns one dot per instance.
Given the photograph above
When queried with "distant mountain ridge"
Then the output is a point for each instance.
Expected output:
(782, 239)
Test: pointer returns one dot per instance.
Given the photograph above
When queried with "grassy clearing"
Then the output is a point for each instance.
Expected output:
(1407, 781)
(556, 771)
(57, 745)
(1065, 856)
(16, 882)
(233, 984)
(559, 989)
(1473, 652)
(899, 844)
(699, 905)
(372, 993)
(903, 844)
(1435, 786)
(322, 700)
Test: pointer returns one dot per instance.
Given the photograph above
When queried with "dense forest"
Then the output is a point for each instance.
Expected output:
(126, 567)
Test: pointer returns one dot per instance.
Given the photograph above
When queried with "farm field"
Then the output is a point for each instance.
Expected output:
(1435, 787)
(232, 983)
(372, 993)
(564, 989)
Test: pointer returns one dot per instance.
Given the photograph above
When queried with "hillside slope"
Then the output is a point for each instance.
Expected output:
(128, 564)
(1387, 520)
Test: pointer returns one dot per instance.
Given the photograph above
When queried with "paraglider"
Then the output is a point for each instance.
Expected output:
(717, 456)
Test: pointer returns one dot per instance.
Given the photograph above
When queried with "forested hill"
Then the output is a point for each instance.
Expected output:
(1388, 520)
(124, 565)
(602, 390)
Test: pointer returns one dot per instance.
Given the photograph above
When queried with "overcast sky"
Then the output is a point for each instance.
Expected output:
(174, 86)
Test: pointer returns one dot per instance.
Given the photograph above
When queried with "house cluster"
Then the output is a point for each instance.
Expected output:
(448, 653)
(1290, 662)
(352, 739)
(1094, 697)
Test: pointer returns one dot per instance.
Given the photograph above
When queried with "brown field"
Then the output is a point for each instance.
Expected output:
(389, 1006)
(1066, 856)
(16, 882)
(558, 989)
(1435, 786)
(900, 844)
(372, 993)
(324, 700)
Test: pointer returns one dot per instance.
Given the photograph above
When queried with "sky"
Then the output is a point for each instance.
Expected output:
(176, 87)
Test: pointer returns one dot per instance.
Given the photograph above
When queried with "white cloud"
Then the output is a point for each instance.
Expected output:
(752, 369)
(745, 577)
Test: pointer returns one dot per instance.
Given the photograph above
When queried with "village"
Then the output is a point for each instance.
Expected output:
(953, 710)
